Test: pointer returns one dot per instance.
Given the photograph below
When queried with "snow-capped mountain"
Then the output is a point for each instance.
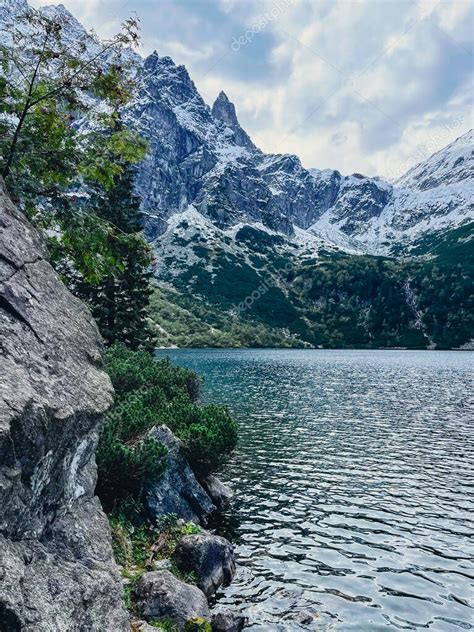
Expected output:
(451, 165)
(201, 156)
(435, 195)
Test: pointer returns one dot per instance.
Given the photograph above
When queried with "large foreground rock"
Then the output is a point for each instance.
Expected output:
(160, 594)
(56, 566)
(211, 557)
(177, 491)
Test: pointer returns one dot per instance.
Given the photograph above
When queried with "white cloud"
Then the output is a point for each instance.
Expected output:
(354, 85)
(404, 100)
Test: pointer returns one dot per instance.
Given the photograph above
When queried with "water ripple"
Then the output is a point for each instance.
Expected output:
(355, 476)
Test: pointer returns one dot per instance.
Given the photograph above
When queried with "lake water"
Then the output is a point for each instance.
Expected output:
(355, 484)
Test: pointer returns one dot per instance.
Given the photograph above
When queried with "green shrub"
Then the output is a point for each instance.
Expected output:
(132, 370)
(209, 434)
(123, 470)
(148, 393)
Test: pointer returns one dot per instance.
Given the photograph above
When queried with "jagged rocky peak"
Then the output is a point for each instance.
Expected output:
(165, 69)
(168, 83)
(72, 28)
(60, 12)
(224, 110)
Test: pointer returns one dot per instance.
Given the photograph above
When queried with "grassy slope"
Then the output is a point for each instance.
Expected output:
(184, 321)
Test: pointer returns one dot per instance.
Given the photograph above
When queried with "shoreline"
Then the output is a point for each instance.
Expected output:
(176, 348)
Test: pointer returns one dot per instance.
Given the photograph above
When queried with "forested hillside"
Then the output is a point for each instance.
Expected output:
(263, 298)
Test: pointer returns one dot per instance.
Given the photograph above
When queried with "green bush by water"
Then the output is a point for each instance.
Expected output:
(150, 393)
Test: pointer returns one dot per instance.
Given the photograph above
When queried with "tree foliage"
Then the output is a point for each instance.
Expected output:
(51, 76)
(119, 298)
(61, 91)
(364, 301)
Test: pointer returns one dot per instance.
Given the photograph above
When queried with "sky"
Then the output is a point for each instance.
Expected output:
(367, 86)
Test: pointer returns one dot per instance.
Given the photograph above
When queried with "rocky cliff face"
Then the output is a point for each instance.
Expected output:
(203, 157)
(195, 156)
(56, 566)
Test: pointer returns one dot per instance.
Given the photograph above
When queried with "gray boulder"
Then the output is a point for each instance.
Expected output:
(160, 594)
(177, 491)
(228, 622)
(56, 565)
(211, 557)
(219, 492)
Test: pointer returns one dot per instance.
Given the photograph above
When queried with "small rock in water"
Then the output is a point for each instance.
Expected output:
(160, 594)
(219, 492)
(211, 557)
(228, 622)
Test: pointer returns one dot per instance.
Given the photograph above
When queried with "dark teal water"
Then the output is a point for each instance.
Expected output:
(355, 481)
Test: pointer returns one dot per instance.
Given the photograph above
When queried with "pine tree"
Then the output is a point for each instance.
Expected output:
(119, 302)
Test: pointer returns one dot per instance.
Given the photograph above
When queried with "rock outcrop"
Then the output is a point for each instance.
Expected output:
(160, 594)
(210, 557)
(56, 565)
(177, 491)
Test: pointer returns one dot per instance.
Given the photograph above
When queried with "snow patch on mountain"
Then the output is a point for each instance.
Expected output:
(375, 216)
(452, 164)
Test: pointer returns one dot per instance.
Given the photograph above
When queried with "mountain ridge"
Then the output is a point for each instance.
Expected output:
(233, 181)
